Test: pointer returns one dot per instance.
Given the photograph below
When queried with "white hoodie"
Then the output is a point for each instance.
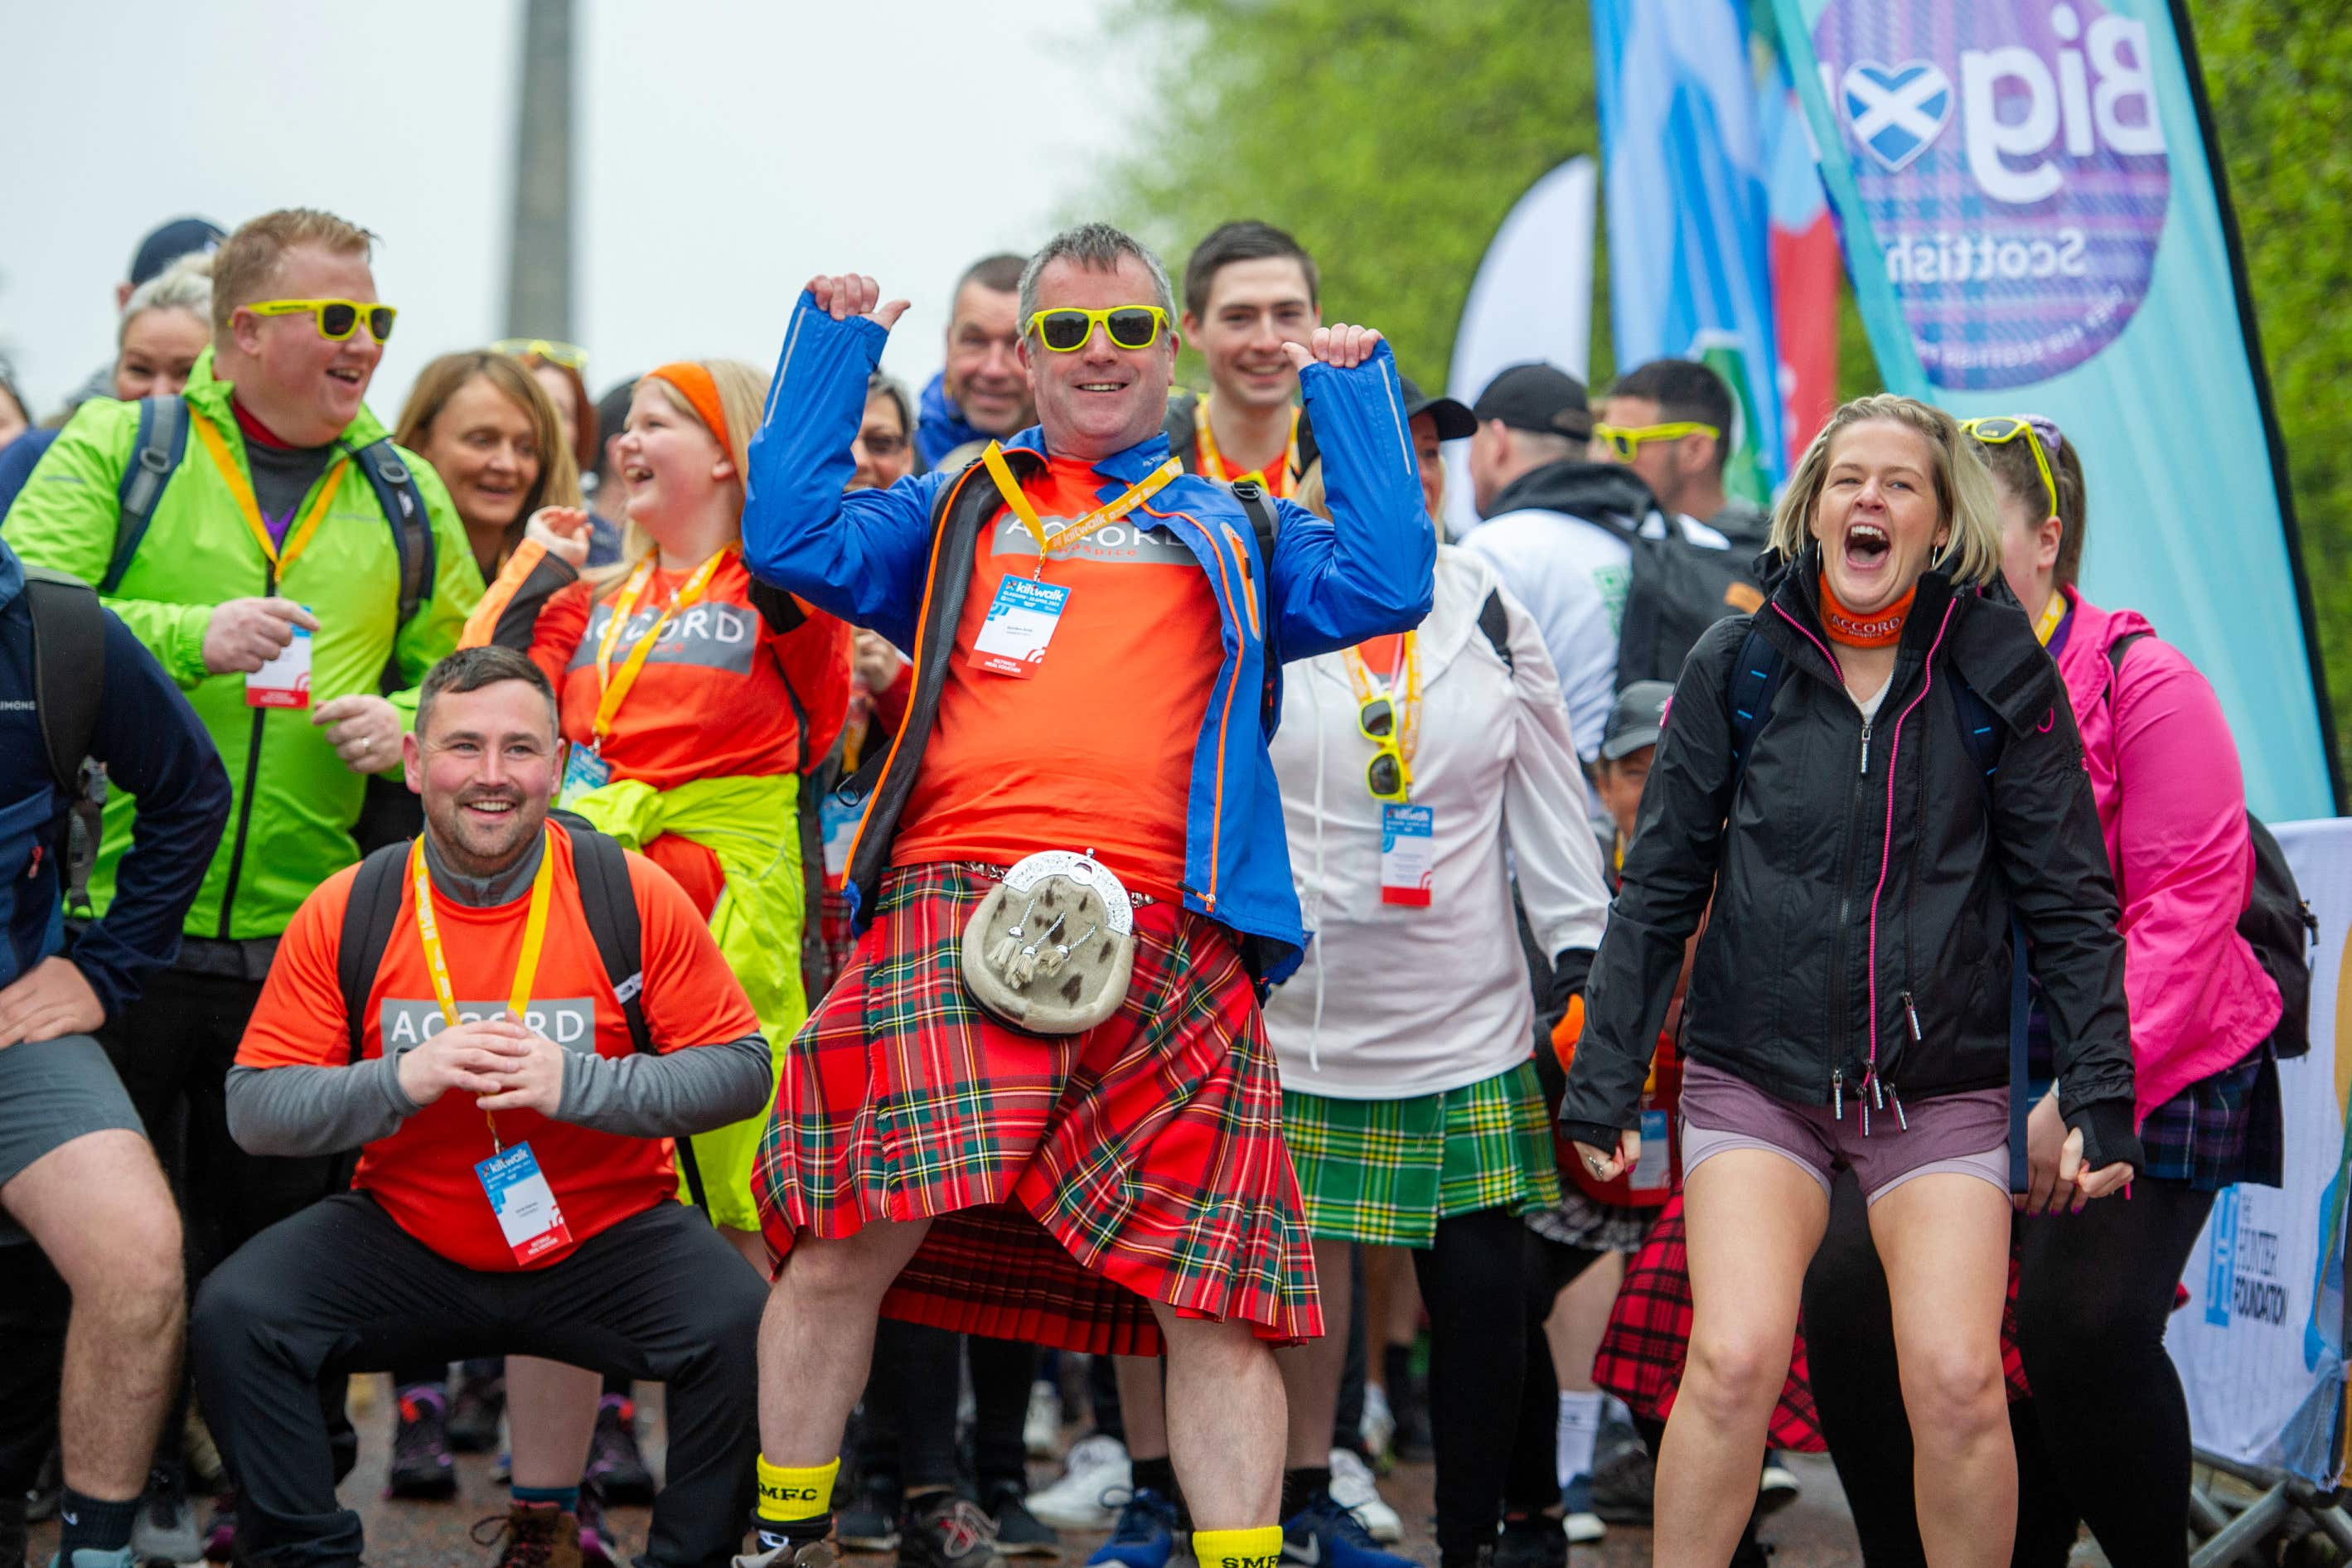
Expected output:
(1395, 1001)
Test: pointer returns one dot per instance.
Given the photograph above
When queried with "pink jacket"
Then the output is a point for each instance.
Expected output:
(2172, 804)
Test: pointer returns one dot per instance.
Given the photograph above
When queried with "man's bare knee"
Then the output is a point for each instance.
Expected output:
(100, 1208)
(849, 1267)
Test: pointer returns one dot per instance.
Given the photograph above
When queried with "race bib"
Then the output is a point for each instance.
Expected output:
(285, 680)
(1021, 622)
(583, 771)
(839, 819)
(1408, 854)
(524, 1202)
(1649, 1173)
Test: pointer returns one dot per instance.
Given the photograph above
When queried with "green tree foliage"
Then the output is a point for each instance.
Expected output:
(1390, 136)
(2280, 76)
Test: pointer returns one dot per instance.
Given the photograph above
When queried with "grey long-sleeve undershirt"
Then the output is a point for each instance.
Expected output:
(298, 1111)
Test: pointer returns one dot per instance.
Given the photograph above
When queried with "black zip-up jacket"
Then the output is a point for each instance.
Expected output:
(1829, 962)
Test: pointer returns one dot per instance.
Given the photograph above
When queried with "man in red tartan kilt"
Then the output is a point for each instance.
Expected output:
(1096, 640)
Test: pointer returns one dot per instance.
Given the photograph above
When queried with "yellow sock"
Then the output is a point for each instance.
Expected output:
(788, 1496)
(1260, 1548)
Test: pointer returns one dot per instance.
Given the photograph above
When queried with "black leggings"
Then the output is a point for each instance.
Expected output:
(1472, 1281)
(2104, 1441)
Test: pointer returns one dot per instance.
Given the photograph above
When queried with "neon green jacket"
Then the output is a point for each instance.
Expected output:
(296, 802)
(751, 823)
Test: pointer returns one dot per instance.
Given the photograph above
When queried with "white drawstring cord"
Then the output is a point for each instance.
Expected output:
(1314, 1035)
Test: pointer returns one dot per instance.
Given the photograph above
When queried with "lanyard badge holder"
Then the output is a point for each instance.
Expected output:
(1052, 948)
(584, 767)
(518, 1190)
(1408, 831)
(1026, 611)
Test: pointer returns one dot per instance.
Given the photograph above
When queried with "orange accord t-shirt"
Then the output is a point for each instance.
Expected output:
(714, 696)
(1095, 750)
(424, 1174)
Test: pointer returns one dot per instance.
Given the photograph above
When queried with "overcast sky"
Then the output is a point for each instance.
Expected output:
(726, 149)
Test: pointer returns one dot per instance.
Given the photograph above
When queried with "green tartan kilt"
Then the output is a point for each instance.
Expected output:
(1386, 1170)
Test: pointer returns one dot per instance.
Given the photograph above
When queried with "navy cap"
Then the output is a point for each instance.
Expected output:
(169, 242)
(1536, 396)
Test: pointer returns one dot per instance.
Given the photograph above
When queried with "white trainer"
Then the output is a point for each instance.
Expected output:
(1096, 1465)
(1353, 1489)
(1040, 1430)
(1377, 1427)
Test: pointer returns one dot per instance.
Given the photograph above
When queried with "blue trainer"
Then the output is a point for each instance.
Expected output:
(1145, 1534)
(1325, 1535)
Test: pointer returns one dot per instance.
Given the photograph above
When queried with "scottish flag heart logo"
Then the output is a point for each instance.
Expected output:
(1897, 112)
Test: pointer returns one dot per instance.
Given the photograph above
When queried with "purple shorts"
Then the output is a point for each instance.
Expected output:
(1963, 1133)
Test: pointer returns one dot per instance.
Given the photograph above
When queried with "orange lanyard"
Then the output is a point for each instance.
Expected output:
(1110, 511)
(1404, 689)
(1212, 462)
(297, 538)
(615, 692)
(534, 936)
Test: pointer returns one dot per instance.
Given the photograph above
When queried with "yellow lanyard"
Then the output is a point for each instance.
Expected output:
(1212, 462)
(615, 692)
(534, 935)
(1110, 511)
(297, 538)
(1403, 689)
(2052, 614)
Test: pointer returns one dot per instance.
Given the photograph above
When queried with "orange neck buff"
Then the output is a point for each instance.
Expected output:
(1883, 628)
(695, 383)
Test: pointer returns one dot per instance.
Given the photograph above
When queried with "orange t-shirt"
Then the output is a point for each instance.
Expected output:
(424, 1174)
(1095, 750)
(714, 696)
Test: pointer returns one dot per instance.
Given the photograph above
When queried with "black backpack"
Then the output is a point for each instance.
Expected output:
(2278, 924)
(68, 683)
(605, 899)
(1679, 588)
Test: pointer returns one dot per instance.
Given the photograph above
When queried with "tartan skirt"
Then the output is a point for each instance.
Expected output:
(1642, 1355)
(1071, 1180)
(1384, 1172)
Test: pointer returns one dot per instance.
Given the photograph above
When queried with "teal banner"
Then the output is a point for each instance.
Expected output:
(2031, 219)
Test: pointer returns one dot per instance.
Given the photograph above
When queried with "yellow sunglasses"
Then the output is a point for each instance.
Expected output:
(2040, 437)
(570, 356)
(1065, 329)
(1626, 440)
(337, 318)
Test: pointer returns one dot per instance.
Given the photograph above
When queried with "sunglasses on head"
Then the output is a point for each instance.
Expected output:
(1626, 440)
(1065, 329)
(1387, 777)
(2042, 438)
(337, 318)
(570, 356)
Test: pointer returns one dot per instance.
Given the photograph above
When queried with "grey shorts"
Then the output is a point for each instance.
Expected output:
(1965, 1134)
(52, 1092)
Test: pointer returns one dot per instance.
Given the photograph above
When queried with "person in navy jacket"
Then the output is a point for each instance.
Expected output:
(1099, 1190)
(78, 1180)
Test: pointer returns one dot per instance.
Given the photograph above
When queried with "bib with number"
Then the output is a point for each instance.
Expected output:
(1408, 854)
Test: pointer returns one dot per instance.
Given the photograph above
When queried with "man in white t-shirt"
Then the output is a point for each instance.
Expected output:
(1556, 529)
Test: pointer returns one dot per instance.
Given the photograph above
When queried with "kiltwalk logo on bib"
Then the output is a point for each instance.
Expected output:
(2012, 166)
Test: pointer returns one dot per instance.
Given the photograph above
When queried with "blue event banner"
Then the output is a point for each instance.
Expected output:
(2031, 223)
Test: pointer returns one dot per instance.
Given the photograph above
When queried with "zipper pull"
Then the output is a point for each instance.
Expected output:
(1911, 1014)
(1865, 747)
(1837, 1094)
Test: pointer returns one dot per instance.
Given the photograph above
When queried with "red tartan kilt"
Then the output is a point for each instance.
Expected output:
(1642, 1355)
(1070, 1180)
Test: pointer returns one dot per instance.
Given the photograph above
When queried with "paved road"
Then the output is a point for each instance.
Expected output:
(1812, 1533)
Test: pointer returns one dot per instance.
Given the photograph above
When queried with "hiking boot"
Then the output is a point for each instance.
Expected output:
(614, 1462)
(1325, 1535)
(868, 1521)
(480, 1400)
(947, 1530)
(1145, 1534)
(532, 1535)
(1018, 1531)
(1531, 1540)
(422, 1466)
(165, 1526)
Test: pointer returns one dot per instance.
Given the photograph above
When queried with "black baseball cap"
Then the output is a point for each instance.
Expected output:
(1536, 396)
(1454, 421)
(1637, 720)
(168, 242)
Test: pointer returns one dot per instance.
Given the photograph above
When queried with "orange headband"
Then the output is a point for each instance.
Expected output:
(699, 390)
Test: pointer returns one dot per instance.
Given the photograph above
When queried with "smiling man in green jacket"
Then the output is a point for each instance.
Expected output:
(297, 575)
